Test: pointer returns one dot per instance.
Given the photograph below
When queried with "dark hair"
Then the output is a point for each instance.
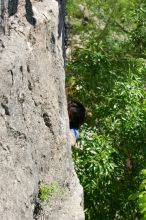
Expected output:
(77, 113)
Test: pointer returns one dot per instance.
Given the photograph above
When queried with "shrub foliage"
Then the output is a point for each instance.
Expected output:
(106, 70)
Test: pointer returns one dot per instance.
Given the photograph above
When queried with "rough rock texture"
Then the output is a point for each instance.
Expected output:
(34, 143)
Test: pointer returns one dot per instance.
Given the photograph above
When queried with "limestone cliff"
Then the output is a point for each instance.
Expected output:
(34, 131)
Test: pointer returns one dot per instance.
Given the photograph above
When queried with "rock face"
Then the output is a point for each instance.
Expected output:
(34, 131)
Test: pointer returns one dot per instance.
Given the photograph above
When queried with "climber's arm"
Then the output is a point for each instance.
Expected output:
(72, 139)
(74, 134)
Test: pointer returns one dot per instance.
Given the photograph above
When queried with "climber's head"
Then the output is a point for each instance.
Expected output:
(77, 113)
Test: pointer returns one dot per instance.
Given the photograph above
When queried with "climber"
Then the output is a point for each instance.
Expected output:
(77, 113)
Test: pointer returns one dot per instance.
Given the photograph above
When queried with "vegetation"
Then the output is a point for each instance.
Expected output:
(106, 70)
(140, 195)
(47, 191)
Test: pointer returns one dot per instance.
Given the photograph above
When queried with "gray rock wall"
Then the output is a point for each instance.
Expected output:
(34, 131)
